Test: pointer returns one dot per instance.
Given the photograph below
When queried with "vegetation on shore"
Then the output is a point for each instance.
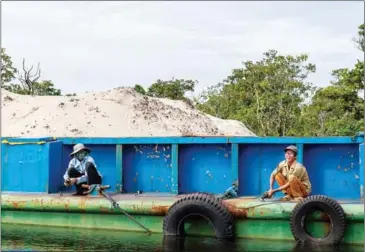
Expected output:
(272, 96)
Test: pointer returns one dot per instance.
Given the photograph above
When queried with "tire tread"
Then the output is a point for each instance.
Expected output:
(202, 199)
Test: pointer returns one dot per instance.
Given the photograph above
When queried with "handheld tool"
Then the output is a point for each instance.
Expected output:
(264, 196)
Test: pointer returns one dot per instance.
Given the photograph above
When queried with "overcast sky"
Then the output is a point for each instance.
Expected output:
(101, 45)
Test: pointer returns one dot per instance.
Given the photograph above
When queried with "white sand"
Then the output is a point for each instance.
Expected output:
(119, 112)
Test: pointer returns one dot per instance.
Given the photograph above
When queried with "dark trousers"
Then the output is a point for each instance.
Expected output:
(92, 176)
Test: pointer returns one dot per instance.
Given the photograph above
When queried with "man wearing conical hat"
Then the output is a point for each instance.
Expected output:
(291, 176)
(81, 170)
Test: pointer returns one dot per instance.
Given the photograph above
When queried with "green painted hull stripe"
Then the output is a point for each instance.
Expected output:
(254, 209)
(254, 219)
(249, 228)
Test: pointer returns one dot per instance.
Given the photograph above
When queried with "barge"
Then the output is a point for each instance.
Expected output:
(158, 181)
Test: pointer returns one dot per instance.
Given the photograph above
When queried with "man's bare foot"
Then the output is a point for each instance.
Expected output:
(298, 198)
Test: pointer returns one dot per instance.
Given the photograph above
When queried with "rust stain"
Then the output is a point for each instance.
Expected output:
(104, 209)
(15, 204)
(325, 217)
(263, 211)
(327, 228)
(239, 213)
(67, 204)
(244, 213)
(18, 204)
(326, 222)
(82, 204)
(159, 210)
(36, 202)
(136, 207)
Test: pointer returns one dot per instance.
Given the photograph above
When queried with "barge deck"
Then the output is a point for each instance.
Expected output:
(165, 169)
(254, 218)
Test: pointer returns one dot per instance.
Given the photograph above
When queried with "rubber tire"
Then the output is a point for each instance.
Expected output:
(200, 204)
(327, 205)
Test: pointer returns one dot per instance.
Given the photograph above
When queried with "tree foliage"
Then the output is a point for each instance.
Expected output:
(273, 97)
(174, 89)
(338, 109)
(265, 95)
(139, 89)
(28, 80)
(38, 88)
(7, 70)
(360, 38)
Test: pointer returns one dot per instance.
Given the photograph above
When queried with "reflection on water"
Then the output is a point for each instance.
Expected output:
(34, 238)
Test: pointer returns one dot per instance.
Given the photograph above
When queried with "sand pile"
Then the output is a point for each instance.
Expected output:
(118, 112)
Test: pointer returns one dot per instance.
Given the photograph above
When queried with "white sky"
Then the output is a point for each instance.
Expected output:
(101, 45)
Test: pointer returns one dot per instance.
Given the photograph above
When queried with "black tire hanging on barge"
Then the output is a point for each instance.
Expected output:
(203, 205)
(325, 204)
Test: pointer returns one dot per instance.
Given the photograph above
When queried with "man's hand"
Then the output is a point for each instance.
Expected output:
(270, 193)
(73, 181)
(70, 182)
(67, 182)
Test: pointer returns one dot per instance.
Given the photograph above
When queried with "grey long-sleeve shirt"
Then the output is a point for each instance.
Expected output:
(80, 167)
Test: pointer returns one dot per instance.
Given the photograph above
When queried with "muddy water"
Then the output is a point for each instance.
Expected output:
(34, 238)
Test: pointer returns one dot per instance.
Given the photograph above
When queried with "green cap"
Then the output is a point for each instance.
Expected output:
(292, 148)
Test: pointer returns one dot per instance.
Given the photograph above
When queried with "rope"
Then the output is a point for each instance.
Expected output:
(262, 199)
(22, 143)
(271, 203)
(116, 205)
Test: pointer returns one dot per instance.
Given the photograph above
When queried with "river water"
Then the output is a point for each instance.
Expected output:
(35, 238)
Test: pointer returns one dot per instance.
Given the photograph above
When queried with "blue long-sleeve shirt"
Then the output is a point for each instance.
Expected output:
(80, 167)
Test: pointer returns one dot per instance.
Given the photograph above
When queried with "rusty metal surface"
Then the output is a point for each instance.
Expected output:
(241, 208)
(89, 203)
(251, 208)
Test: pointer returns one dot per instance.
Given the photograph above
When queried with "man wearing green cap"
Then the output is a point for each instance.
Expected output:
(81, 170)
(291, 176)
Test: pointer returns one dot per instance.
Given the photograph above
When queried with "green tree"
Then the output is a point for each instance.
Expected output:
(29, 84)
(46, 87)
(360, 39)
(265, 95)
(338, 109)
(70, 94)
(139, 89)
(334, 111)
(39, 88)
(174, 89)
(7, 70)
